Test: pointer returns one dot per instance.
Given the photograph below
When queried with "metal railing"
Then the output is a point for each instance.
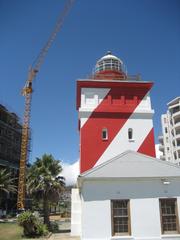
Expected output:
(123, 77)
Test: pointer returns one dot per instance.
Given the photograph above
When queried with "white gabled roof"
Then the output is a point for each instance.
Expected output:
(132, 164)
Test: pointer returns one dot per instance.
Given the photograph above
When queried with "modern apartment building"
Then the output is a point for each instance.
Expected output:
(170, 138)
(10, 149)
(10, 139)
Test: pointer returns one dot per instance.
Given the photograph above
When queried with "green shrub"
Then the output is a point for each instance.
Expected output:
(54, 227)
(31, 225)
(42, 229)
(26, 217)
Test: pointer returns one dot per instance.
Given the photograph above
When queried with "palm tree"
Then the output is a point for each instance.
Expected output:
(44, 182)
(7, 182)
(7, 186)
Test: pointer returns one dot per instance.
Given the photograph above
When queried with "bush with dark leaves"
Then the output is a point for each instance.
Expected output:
(31, 225)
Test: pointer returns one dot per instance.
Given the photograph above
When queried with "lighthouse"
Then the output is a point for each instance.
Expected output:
(123, 191)
(115, 113)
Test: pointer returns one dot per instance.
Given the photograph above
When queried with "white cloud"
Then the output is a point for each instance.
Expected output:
(70, 172)
(158, 153)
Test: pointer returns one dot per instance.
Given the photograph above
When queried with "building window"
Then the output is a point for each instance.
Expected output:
(166, 130)
(130, 134)
(120, 217)
(169, 219)
(104, 134)
(1, 131)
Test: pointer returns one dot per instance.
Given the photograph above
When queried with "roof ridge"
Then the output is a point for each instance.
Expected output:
(159, 160)
(86, 173)
(104, 163)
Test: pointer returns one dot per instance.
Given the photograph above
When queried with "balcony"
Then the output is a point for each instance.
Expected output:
(176, 116)
(176, 137)
(173, 105)
(177, 126)
(178, 149)
(161, 148)
(160, 138)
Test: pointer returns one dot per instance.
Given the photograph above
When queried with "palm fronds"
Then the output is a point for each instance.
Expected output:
(7, 182)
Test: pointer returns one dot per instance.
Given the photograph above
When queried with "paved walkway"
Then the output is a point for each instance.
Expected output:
(64, 226)
(62, 236)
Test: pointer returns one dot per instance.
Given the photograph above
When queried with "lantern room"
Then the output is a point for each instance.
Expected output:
(109, 67)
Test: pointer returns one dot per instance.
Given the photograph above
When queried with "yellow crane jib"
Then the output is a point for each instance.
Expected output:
(27, 93)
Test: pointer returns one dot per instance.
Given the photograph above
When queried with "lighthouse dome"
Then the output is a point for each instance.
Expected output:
(109, 62)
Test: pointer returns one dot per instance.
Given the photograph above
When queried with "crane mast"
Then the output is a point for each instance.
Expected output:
(27, 93)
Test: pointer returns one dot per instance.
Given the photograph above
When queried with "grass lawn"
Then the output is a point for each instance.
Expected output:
(11, 231)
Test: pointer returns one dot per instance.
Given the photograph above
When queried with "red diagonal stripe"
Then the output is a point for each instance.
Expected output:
(148, 145)
(110, 116)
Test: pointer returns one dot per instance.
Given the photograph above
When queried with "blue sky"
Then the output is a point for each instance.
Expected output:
(145, 34)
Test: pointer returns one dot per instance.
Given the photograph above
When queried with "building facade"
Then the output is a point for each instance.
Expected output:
(115, 114)
(170, 138)
(10, 149)
(132, 196)
(123, 192)
(10, 139)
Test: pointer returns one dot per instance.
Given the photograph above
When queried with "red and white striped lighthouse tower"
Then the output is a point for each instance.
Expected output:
(115, 114)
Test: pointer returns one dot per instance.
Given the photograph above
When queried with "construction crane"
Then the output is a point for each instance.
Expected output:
(27, 93)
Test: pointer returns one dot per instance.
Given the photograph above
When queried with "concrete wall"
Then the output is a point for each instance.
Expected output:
(75, 212)
(92, 97)
(144, 207)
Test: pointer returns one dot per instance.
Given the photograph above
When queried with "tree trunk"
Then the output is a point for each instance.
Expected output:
(46, 211)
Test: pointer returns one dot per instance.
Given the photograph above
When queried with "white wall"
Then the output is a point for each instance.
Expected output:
(144, 207)
(75, 212)
(92, 97)
(96, 219)
(145, 217)
(141, 127)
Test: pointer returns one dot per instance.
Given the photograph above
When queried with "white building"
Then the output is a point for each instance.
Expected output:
(170, 139)
(123, 192)
(132, 196)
